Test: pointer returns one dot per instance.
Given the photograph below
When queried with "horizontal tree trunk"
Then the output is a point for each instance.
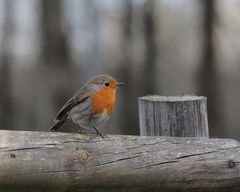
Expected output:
(43, 161)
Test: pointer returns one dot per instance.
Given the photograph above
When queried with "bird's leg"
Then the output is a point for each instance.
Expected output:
(80, 129)
(98, 132)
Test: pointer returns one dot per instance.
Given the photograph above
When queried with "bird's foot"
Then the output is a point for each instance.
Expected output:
(81, 132)
(99, 133)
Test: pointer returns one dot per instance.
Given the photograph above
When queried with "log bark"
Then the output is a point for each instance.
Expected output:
(42, 161)
(179, 116)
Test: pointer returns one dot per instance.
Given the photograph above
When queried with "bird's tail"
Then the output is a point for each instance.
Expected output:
(58, 123)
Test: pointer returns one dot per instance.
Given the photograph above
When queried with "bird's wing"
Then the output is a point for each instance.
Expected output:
(82, 96)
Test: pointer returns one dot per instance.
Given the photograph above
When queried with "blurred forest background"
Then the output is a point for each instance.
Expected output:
(49, 48)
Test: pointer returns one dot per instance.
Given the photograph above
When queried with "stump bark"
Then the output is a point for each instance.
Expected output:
(178, 116)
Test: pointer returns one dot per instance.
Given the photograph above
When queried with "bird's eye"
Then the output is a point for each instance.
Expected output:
(106, 84)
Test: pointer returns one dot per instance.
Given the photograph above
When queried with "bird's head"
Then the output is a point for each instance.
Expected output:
(104, 81)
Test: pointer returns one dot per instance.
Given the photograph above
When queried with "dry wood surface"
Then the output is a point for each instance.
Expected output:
(46, 161)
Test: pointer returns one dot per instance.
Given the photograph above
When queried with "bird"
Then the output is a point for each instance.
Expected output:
(92, 104)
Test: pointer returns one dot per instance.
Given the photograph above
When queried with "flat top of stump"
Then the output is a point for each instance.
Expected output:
(159, 98)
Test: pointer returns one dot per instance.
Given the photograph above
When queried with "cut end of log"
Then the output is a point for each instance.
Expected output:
(179, 116)
(157, 98)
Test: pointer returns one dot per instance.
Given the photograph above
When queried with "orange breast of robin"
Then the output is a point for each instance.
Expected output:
(103, 100)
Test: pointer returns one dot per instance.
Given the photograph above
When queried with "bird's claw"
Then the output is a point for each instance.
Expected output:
(99, 133)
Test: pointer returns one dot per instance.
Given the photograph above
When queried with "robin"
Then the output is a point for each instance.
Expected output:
(92, 105)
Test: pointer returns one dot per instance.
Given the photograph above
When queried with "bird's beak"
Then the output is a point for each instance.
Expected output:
(120, 84)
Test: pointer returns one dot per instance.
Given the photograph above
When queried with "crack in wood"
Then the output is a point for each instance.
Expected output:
(209, 152)
(110, 162)
(74, 141)
(51, 144)
(24, 148)
(196, 154)
(156, 164)
(130, 148)
(30, 148)
(51, 172)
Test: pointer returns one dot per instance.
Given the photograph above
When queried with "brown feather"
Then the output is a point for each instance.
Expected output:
(58, 123)
(68, 106)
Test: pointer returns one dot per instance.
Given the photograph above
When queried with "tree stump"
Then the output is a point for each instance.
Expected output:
(178, 116)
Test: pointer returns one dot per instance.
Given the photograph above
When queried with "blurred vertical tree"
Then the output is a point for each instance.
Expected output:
(90, 33)
(145, 83)
(55, 52)
(150, 65)
(55, 48)
(129, 112)
(6, 105)
(209, 82)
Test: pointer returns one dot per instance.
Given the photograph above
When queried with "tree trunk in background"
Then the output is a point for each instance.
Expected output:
(6, 105)
(55, 52)
(209, 82)
(129, 112)
(144, 83)
(55, 48)
(150, 65)
(90, 36)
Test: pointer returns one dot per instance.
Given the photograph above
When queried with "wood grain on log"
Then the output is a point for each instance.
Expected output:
(43, 161)
(179, 116)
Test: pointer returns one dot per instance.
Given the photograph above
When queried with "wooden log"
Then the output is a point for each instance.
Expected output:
(42, 161)
(180, 116)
